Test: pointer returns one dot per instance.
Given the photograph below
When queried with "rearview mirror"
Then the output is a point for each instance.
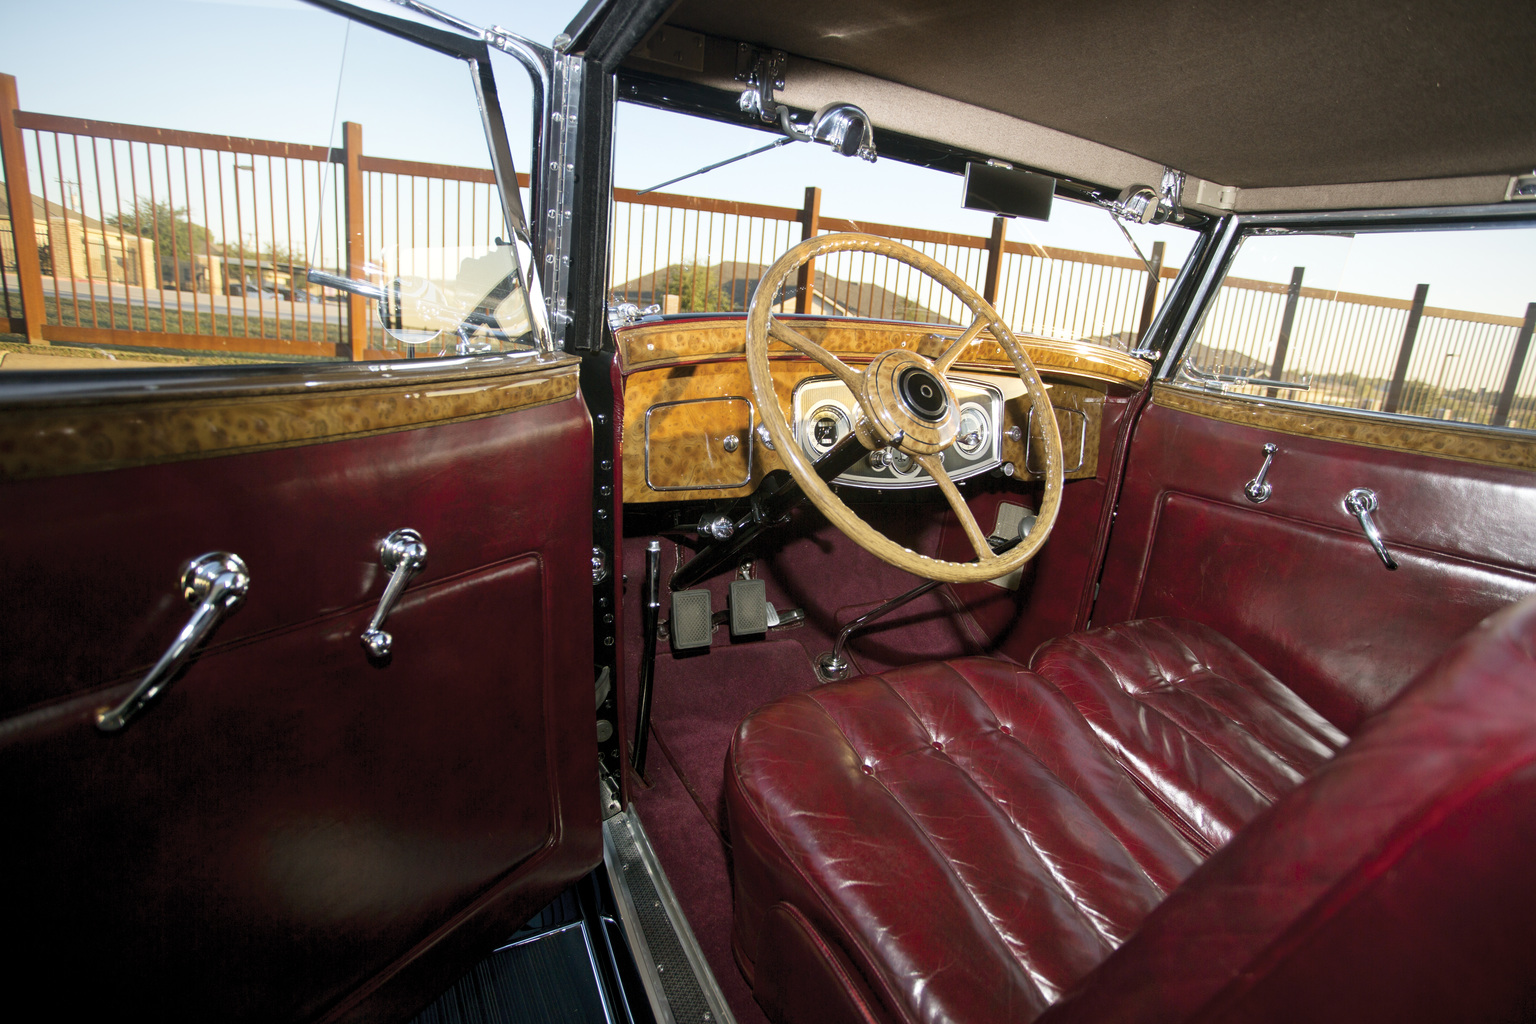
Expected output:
(1007, 192)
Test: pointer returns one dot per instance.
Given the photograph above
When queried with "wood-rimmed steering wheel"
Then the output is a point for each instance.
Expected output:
(905, 400)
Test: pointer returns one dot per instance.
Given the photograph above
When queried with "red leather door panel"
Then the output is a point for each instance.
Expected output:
(1293, 580)
(294, 830)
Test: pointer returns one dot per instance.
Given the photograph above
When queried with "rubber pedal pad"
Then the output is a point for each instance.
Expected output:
(691, 626)
(749, 607)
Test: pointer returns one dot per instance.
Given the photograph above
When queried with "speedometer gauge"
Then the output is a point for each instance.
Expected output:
(827, 425)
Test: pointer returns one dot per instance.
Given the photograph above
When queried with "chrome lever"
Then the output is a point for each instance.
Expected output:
(216, 583)
(404, 554)
(1360, 503)
(1258, 489)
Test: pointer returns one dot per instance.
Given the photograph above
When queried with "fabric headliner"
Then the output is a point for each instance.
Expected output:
(1307, 92)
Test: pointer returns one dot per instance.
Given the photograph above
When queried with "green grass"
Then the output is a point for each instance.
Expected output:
(68, 313)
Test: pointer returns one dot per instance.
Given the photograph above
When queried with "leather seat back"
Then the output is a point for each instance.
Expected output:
(1394, 884)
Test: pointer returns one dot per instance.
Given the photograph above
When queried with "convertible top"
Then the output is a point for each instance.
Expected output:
(1284, 102)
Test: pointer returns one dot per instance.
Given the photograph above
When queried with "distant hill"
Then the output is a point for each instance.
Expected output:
(832, 296)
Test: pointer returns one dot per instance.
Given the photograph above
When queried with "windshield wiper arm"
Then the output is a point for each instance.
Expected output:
(775, 144)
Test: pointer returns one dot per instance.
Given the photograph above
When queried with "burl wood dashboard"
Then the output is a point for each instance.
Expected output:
(690, 427)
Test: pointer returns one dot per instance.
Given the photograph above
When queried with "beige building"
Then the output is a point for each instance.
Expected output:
(73, 245)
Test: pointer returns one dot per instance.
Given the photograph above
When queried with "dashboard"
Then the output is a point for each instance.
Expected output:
(690, 430)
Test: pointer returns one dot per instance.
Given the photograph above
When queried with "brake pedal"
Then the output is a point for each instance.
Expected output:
(749, 608)
(690, 625)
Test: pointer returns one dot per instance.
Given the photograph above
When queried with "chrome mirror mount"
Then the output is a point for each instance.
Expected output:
(1142, 204)
(843, 126)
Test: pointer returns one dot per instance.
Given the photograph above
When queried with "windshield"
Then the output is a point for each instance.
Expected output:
(701, 245)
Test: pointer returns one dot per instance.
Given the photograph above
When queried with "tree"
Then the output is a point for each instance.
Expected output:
(172, 230)
(697, 287)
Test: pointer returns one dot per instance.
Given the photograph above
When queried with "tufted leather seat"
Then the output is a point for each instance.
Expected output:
(974, 840)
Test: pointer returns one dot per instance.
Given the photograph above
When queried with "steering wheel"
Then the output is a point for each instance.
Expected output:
(905, 401)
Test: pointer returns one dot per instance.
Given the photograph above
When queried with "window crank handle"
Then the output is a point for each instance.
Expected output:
(404, 554)
(1360, 503)
(1258, 489)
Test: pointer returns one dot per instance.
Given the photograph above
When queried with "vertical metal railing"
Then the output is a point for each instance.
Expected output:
(151, 238)
(706, 255)
(1370, 352)
(422, 220)
(178, 240)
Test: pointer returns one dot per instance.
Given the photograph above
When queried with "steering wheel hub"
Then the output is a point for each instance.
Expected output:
(905, 398)
(922, 393)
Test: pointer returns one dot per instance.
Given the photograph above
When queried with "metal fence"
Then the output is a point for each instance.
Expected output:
(196, 243)
(687, 253)
(153, 238)
(1372, 353)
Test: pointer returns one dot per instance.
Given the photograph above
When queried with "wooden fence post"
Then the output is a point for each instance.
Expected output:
(1287, 321)
(357, 306)
(1405, 353)
(810, 224)
(994, 276)
(18, 194)
(1516, 367)
(1149, 297)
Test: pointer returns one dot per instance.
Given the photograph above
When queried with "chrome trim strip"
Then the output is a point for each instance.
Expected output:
(67, 387)
(629, 919)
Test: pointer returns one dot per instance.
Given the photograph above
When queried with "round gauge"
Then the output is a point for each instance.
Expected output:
(827, 424)
(975, 431)
(900, 462)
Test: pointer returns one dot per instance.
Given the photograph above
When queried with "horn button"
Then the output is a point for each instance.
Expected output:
(922, 393)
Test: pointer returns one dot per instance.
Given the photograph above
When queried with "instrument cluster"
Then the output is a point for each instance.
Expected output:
(824, 410)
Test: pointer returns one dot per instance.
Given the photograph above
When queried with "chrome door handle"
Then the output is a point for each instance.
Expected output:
(216, 583)
(404, 554)
(1360, 503)
(1258, 489)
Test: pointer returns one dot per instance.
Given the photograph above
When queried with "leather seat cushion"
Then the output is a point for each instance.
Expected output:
(1194, 719)
(973, 837)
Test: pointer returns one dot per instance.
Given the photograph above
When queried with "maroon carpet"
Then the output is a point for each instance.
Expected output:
(700, 698)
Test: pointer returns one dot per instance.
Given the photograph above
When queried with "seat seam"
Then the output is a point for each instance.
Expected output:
(1299, 769)
(1129, 853)
(1300, 723)
(894, 998)
(1034, 847)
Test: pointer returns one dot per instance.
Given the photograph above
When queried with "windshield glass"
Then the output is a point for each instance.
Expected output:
(319, 191)
(701, 245)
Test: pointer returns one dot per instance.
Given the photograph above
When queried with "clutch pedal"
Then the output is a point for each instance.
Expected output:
(690, 626)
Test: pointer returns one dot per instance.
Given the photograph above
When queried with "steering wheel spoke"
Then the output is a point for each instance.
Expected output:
(949, 355)
(778, 330)
(935, 467)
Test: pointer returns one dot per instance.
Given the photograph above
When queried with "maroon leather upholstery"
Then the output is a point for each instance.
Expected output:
(978, 841)
(1194, 720)
(1293, 581)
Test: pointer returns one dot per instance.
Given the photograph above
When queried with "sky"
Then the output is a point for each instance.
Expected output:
(172, 64)
(273, 69)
